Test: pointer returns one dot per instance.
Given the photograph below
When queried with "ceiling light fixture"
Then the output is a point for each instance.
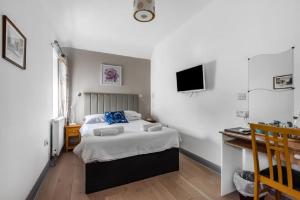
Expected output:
(144, 10)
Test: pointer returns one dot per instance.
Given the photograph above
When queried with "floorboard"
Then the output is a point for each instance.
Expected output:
(193, 181)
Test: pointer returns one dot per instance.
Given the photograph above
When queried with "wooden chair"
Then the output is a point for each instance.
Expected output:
(279, 177)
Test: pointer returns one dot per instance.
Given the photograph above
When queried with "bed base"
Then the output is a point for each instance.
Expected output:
(104, 175)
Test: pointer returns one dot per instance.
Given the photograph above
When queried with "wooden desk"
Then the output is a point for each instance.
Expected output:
(244, 142)
(234, 158)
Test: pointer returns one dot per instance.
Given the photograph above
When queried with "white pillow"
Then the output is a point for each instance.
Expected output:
(132, 115)
(94, 119)
(132, 118)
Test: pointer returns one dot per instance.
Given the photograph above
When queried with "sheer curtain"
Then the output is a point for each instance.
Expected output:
(55, 85)
(63, 88)
(60, 82)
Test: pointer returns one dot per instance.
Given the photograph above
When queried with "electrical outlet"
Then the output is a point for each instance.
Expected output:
(242, 96)
(242, 114)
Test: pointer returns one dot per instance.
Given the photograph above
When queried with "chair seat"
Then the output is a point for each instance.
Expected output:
(295, 175)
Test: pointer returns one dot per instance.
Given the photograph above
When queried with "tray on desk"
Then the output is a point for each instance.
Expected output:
(239, 130)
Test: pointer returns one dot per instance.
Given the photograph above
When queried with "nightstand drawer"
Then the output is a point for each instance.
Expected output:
(73, 141)
(72, 131)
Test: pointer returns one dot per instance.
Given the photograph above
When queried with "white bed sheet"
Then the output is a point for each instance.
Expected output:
(132, 142)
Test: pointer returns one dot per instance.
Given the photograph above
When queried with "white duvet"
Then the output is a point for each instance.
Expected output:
(132, 142)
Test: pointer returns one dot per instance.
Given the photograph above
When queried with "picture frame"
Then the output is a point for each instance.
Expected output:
(111, 75)
(283, 82)
(13, 43)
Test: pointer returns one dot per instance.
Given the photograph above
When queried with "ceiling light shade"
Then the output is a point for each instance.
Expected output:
(144, 10)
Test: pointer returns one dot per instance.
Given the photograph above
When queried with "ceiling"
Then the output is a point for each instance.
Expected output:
(108, 25)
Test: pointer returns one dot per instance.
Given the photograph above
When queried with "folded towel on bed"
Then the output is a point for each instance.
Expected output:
(155, 128)
(109, 131)
(145, 127)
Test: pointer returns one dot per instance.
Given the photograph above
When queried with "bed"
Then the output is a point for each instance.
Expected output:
(131, 156)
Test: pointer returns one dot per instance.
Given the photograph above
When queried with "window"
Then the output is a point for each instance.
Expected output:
(55, 84)
(60, 87)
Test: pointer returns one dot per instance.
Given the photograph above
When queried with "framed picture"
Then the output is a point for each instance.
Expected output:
(283, 82)
(13, 44)
(111, 75)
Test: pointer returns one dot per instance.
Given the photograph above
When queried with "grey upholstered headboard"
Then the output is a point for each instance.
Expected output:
(96, 103)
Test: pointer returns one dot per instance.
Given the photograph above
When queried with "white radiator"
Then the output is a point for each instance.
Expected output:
(57, 135)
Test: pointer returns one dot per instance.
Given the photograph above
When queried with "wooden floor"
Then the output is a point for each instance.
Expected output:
(193, 182)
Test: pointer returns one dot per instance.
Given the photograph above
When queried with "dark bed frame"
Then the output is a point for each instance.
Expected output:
(103, 175)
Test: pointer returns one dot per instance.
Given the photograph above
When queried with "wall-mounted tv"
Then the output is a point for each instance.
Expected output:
(192, 79)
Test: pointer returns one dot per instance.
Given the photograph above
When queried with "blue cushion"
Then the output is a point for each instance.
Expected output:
(115, 117)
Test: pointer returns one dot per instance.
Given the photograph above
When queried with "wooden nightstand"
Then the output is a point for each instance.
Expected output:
(72, 136)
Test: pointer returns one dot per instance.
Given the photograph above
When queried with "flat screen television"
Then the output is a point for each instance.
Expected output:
(192, 79)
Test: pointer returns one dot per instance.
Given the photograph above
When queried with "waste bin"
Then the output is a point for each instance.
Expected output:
(244, 183)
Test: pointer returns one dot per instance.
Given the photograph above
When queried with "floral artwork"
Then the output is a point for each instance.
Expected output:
(111, 75)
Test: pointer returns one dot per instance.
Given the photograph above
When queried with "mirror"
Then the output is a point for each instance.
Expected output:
(271, 94)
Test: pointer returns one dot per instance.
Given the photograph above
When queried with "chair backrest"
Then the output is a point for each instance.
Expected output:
(276, 143)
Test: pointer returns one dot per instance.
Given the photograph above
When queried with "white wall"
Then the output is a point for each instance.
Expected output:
(85, 67)
(262, 103)
(224, 34)
(25, 102)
